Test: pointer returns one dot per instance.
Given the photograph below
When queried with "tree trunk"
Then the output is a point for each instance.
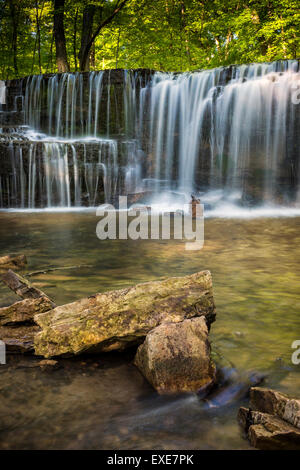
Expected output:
(38, 32)
(88, 38)
(86, 35)
(75, 40)
(118, 48)
(59, 34)
(14, 20)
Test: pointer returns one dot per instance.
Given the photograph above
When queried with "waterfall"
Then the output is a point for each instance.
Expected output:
(2, 93)
(207, 134)
(87, 137)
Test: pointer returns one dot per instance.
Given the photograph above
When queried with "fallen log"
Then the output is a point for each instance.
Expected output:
(119, 319)
(22, 287)
(24, 311)
(12, 261)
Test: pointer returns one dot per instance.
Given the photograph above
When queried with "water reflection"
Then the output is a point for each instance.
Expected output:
(104, 402)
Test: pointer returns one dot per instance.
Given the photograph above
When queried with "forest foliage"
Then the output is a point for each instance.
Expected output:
(40, 36)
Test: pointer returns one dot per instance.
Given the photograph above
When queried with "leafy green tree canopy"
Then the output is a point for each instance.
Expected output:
(40, 36)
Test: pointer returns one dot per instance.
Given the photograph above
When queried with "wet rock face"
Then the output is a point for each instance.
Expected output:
(175, 357)
(20, 339)
(119, 319)
(272, 402)
(17, 327)
(268, 432)
(24, 311)
(273, 420)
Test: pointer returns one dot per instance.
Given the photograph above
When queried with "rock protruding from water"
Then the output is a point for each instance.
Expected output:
(20, 339)
(273, 420)
(175, 357)
(17, 326)
(24, 311)
(276, 403)
(122, 318)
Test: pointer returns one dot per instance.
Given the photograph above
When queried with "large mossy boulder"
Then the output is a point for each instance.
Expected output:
(122, 318)
(175, 357)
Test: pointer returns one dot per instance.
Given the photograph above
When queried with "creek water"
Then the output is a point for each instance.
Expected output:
(103, 402)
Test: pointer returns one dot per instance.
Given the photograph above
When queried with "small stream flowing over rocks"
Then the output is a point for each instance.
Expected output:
(79, 139)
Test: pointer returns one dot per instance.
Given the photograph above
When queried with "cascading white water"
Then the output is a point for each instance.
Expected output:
(72, 157)
(93, 136)
(2, 93)
(224, 131)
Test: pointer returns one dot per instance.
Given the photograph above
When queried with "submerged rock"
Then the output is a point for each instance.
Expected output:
(118, 319)
(12, 261)
(48, 365)
(175, 357)
(232, 386)
(273, 420)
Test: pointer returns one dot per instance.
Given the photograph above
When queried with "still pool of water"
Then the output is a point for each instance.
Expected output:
(103, 402)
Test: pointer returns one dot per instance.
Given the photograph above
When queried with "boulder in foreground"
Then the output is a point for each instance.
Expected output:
(119, 319)
(272, 402)
(273, 420)
(175, 357)
(268, 432)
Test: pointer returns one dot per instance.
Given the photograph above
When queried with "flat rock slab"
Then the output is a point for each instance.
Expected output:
(273, 402)
(175, 357)
(24, 311)
(268, 432)
(118, 319)
(17, 328)
(19, 340)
